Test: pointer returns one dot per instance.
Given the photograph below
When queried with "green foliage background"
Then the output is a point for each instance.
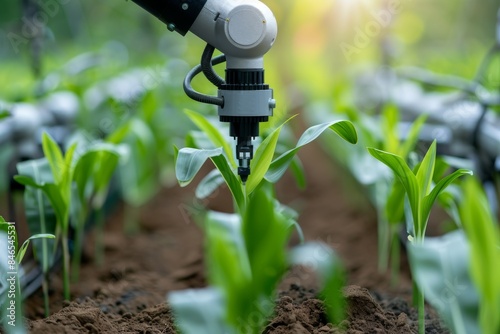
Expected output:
(448, 36)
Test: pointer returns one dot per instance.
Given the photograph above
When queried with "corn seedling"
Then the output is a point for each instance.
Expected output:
(246, 258)
(40, 218)
(190, 160)
(459, 271)
(390, 205)
(138, 174)
(421, 197)
(246, 250)
(59, 194)
(483, 235)
(92, 176)
(10, 258)
(386, 195)
(89, 169)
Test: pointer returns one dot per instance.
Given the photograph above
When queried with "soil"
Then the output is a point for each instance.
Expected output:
(127, 294)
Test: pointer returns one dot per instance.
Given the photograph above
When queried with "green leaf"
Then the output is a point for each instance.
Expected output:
(412, 138)
(189, 162)
(265, 240)
(426, 170)
(344, 129)
(429, 200)
(424, 180)
(481, 229)
(10, 230)
(65, 183)
(27, 181)
(211, 182)
(394, 208)
(404, 175)
(54, 156)
(22, 251)
(418, 186)
(176, 152)
(138, 176)
(213, 134)
(298, 173)
(39, 213)
(440, 169)
(59, 205)
(198, 139)
(95, 168)
(228, 263)
(390, 122)
(137, 130)
(249, 265)
(440, 267)
(4, 114)
(262, 160)
(233, 182)
(290, 216)
(52, 192)
(331, 275)
(199, 311)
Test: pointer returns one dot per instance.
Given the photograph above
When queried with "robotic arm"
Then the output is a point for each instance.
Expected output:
(243, 30)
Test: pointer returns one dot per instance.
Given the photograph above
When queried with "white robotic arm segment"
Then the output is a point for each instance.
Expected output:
(244, 30)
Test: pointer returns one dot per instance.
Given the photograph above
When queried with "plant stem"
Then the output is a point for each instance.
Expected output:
(45, 252)
(131, 219)
(19, 321)
(383, 244)
(66, 267)
(77, 254)
(419, 301)
(45, 289)
(395, 255)
(99, 237)
(421, 313)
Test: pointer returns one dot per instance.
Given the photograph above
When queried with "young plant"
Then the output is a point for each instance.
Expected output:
(139, 176)
(190, 160)
(459, 271)
(92, 176)
(59, 195)
(40, 218)
(247, 263)
(483, 234)
(390, 208)
(89, 168)
(383, 132)
(246, 250)
(10, 258)
(421, 197)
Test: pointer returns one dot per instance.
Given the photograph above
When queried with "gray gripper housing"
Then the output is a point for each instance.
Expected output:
(247, 103)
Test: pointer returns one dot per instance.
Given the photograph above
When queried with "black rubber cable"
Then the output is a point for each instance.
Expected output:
(208, 70)
(203, 98)
(477, 127)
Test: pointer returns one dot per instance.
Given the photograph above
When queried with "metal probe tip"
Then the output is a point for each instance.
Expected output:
(243, 171)
(244, 179)
(244, 152)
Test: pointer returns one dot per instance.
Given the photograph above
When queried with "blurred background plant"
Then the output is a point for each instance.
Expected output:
(113, 72)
